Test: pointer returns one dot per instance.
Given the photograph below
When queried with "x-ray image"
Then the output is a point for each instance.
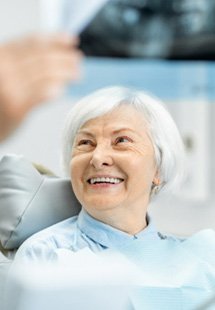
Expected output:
(173, 29)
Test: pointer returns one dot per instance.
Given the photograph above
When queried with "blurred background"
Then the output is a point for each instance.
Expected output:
(166, 47)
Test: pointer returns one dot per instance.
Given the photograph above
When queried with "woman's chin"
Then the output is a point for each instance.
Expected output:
(103, 203)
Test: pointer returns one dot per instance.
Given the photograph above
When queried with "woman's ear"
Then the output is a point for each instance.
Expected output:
(156, 180)
(155, 188)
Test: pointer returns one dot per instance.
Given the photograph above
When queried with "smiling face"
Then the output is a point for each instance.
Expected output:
(112, 164)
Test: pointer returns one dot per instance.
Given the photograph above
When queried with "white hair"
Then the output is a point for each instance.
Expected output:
(166, 140)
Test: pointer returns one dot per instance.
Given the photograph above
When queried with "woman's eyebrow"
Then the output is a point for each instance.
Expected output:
(116, 131)
(85, 132)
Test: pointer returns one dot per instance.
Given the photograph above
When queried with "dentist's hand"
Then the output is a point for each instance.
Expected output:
(34, 70)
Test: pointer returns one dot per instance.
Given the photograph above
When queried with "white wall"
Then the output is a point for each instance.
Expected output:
(18, 17)
(39, 137)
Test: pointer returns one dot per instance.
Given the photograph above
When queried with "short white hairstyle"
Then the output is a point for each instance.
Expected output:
(165, 137)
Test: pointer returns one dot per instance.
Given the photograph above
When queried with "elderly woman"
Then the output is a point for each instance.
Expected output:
(121, 149)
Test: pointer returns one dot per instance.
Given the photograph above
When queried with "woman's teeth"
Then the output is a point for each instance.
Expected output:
(105, 180)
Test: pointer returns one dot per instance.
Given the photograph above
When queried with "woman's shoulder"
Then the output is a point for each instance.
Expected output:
(59, 229)
(208, 235)
(200, 245)
(48, 239)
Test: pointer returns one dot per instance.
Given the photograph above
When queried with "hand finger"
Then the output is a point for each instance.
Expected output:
(62, 39)
(38, 42)
(49, 67)
(34, 45)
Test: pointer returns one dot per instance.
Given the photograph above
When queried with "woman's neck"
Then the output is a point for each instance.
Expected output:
(130, 223)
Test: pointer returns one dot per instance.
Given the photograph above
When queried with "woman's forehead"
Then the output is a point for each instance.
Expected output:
(123, 116)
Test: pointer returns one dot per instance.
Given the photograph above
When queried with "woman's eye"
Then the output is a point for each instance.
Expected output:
(123, 140)
(85, 142)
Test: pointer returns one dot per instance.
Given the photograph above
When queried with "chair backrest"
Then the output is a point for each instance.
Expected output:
(29, 202)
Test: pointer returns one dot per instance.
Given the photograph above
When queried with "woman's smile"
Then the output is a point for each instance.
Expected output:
(104, 182)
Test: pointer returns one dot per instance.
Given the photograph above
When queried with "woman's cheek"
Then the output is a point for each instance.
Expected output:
(79, 167)
(75, 170)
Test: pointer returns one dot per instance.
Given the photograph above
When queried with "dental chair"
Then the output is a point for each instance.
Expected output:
(29, 202)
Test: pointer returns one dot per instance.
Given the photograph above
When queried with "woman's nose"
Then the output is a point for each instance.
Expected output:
(101, 157)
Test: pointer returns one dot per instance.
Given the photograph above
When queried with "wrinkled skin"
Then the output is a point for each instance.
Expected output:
(117, 145)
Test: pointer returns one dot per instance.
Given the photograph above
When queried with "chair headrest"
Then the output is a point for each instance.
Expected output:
(29, 201)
